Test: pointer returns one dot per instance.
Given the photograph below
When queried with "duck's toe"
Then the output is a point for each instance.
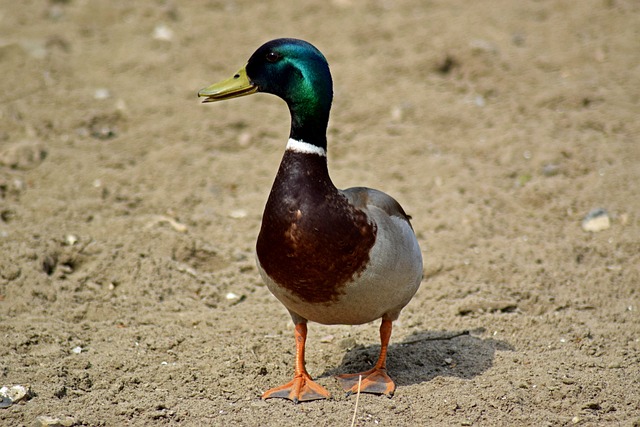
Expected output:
(300, 389)
(374, 381)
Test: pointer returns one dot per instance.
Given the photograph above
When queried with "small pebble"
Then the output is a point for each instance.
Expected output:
(396, 114)
(47, 421)
(101, 93)
(550, 169)
(596, 220)
(238, 214)
(401, 112)
(162, 32)
(231, 296)
(244, 139)
(76, 350)
(327, 339)
(13, 394)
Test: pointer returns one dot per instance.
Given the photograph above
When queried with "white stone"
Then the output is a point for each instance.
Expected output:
(162, 32)
(47, 421)
(596, 220)
(101, 93)
(238, 214)
(16, 393)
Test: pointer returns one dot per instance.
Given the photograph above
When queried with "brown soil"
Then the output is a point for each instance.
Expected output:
(129, 211)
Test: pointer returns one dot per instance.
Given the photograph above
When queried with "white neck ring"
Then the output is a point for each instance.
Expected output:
(305, 148)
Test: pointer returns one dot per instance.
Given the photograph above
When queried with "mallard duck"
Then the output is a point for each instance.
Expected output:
(330, 256)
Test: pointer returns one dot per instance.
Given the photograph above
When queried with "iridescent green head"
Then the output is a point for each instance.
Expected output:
(293, 70)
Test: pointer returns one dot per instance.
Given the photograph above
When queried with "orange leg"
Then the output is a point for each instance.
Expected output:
(301, 388)
(374, 380)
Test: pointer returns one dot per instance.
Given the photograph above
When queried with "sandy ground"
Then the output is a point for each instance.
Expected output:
(129, 211)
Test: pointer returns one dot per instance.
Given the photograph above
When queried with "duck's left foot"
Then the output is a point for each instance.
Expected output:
(300, 389)
(375, 381)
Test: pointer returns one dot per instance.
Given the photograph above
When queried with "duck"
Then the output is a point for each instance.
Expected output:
(330, 256)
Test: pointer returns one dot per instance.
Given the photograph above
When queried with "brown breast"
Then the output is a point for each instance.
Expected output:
(312, 241)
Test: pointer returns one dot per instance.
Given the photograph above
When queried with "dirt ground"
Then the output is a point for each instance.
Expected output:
(129, 211)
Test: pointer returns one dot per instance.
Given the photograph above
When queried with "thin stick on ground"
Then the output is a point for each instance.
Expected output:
(355, 409)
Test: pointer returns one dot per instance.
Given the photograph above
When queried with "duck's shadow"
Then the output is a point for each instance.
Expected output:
(425, 355)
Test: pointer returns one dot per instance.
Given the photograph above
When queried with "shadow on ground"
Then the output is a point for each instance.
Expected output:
(425, 355)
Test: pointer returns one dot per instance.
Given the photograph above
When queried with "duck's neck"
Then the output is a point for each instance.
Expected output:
(305, 161)
(309, 106)
(304, 167)
(309, 124)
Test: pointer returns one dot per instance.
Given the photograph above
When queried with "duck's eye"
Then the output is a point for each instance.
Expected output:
(273, 56)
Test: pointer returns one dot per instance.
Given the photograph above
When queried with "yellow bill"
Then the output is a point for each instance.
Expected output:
(233, 87)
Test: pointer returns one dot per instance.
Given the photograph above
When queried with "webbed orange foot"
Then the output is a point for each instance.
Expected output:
(300, 389)
(375, 381)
